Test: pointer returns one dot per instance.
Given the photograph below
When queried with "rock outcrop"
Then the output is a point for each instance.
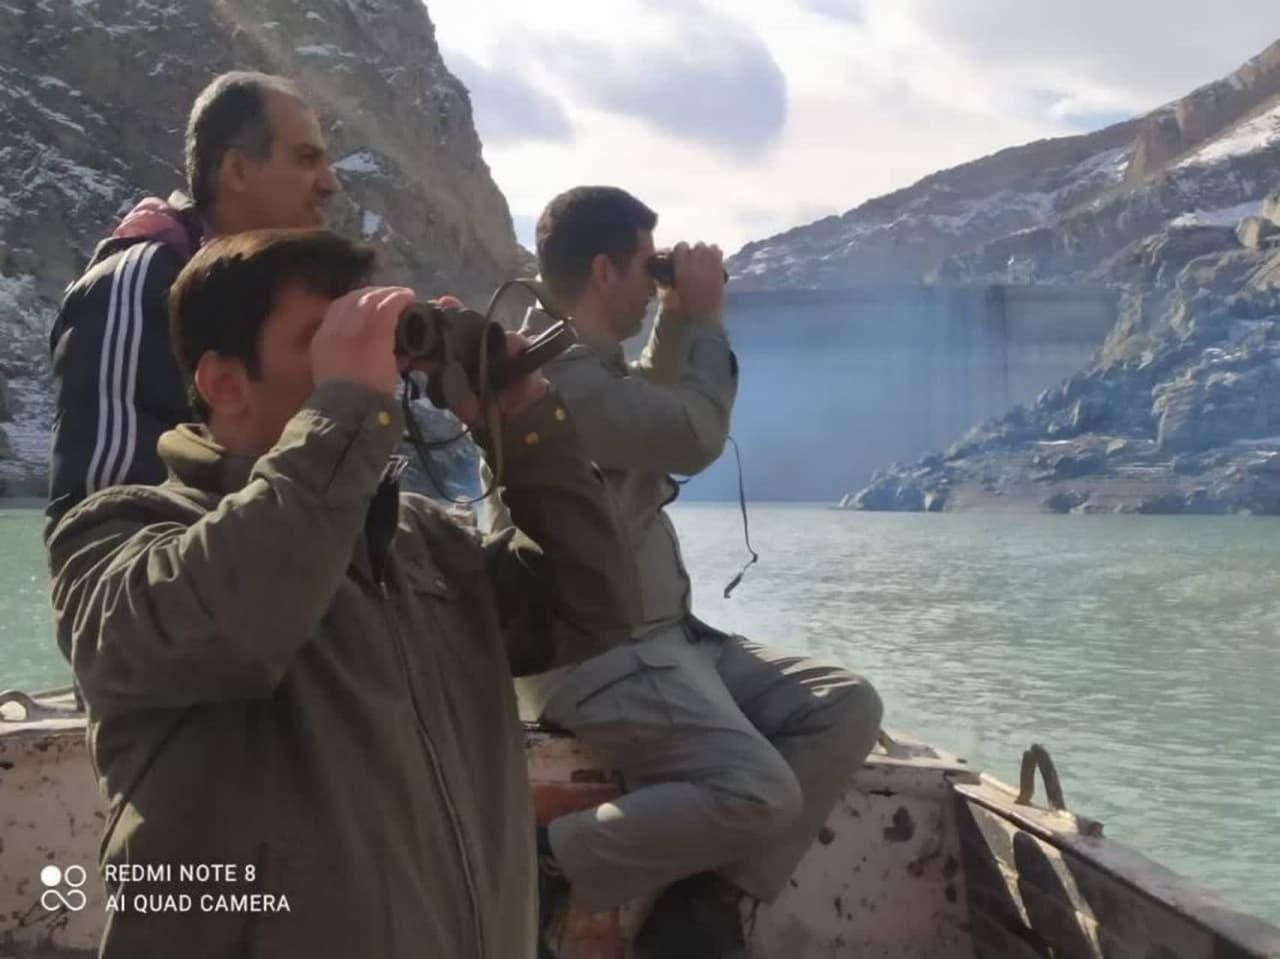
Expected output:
(95, 94)
(1180, 413)
(1053, 211)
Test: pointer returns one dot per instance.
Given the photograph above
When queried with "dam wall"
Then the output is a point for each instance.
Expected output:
(836, 383)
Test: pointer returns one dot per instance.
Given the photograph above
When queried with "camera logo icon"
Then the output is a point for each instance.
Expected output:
(54, 897)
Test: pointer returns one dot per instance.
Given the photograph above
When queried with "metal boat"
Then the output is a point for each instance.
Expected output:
(923, 856)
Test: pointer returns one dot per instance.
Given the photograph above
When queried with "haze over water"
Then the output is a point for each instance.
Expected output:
(1142, 651)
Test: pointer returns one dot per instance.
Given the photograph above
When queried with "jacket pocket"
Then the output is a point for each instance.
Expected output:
(425, 577)
(619, 693)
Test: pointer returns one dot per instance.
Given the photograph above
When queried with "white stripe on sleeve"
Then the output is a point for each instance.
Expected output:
(130, 383)
(120, 277)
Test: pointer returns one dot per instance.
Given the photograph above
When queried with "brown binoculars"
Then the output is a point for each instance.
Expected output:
(466, 353)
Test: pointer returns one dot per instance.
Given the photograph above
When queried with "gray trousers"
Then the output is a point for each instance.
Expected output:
(732, 756)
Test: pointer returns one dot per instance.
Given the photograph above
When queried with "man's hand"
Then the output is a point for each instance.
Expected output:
(527, 390)
(699, 289)
(356, 339)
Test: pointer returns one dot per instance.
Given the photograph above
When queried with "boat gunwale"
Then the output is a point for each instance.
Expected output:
(1127, 865)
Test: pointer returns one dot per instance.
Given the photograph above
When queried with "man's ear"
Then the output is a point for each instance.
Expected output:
(603, 272)
(223, 383)
(233, 171)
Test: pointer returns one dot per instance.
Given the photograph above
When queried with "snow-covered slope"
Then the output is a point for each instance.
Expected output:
(94, 95)
(1052, 210)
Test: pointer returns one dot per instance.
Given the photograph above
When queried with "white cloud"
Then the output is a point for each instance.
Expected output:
(736, 119)
(510, 109)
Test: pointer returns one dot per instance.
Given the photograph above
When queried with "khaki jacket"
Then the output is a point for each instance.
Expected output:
(293, 669)
(665, 414)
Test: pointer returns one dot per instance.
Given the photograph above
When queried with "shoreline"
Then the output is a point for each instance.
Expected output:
(967, 502)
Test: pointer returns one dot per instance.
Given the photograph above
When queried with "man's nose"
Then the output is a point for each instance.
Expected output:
(328, 183)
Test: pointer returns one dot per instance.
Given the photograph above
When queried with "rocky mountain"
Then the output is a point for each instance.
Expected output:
(1061, 210)
(1180, 409)
(1180, 412)
(94, 96)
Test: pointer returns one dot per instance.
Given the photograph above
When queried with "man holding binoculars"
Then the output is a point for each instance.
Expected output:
(732, 753)
(292, 668)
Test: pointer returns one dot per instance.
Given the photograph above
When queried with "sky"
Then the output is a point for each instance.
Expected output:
(737, 119)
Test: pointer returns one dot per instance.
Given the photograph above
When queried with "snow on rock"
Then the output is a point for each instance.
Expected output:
(362, 161)
(1065, 207)
(94, 96)
(28, 400)
(905, 236)
(1253, 136)
(319, 50)
(1226, 216)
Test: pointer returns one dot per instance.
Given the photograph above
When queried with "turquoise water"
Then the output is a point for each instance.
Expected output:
(1143, 651)
(29, 659)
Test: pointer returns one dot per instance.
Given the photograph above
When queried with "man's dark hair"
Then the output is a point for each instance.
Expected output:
(231, 112)
(582, 223)
(222, 298)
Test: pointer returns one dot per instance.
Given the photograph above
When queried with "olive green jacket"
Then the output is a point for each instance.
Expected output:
(291, 668)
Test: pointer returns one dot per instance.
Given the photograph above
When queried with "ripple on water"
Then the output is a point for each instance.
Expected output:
(1141, 650)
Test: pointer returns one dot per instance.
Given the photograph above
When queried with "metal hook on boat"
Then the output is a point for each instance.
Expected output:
(29, 706)
(1038, 756)
(34, 709)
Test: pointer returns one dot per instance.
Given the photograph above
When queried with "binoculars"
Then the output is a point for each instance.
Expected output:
(662, 267)
(467, 352)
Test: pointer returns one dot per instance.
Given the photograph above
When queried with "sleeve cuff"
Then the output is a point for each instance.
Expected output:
(339, 443)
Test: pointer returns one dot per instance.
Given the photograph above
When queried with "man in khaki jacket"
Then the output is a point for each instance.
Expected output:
(298, 677)
(733, 753)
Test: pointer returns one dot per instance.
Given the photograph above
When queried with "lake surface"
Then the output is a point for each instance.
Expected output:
(1143, 651)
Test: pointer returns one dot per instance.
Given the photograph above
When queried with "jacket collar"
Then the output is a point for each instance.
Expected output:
(175, 222)
(193, 458)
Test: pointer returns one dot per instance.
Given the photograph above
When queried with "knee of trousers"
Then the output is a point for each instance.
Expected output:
(847, 713)
(762, 802)
(860, 711)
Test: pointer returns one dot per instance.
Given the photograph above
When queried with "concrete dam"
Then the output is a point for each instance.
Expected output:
(836, 383)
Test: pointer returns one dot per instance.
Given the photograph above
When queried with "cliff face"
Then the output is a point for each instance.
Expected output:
(1053, 211)
(95, 95)
(1203, 115)
(1179, 413)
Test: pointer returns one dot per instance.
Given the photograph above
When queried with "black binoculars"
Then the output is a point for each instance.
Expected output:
(452, 340)
(662, 267)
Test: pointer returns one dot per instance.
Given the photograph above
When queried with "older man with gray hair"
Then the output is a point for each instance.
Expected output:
(255, 158)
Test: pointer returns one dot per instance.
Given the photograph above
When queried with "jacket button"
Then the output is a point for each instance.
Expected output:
(384, 418)
(531, 439)
(560, 414)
